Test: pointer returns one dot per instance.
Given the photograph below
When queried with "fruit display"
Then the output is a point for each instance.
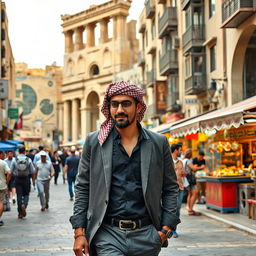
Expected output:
(227, 171)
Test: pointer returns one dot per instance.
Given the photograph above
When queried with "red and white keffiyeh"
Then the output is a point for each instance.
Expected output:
(119, 88)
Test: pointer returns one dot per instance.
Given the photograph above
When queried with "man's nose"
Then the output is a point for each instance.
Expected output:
(120, 108)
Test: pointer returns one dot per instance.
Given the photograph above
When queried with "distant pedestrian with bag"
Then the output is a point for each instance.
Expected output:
(22, 168)
(45, 172)
(192, 189)
(71, 170)
(5, 176)
(56, 162)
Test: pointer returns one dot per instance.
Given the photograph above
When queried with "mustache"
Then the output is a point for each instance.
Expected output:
(121, 115)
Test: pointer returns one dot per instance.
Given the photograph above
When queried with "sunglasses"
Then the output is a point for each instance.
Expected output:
(124, 104)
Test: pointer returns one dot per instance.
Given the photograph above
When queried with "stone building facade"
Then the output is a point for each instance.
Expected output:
(204, 50)
(7, 76)
(99, 43)
(37, 97)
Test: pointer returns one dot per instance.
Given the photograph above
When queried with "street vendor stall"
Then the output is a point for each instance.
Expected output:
(230, 151)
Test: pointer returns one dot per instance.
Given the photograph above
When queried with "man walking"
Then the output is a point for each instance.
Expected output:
(22, 168)
(126, 187)
(11, 184)
(71, 169)
(45, 172)
(5, 176)
(38, 155)
(180, 173)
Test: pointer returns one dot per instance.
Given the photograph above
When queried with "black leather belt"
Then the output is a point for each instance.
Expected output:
(128, 224)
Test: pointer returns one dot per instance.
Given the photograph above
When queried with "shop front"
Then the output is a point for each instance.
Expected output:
(230, 151)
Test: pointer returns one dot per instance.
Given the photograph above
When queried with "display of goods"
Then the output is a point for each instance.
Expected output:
(228, 171)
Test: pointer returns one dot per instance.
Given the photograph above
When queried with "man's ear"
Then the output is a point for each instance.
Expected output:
(139, 107)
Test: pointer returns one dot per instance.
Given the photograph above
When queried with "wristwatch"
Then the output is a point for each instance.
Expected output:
(168, 233)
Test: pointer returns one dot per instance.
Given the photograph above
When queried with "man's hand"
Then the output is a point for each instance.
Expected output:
(81, 246)
(163, 236)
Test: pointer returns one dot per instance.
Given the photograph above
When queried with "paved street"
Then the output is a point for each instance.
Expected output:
(49, 233)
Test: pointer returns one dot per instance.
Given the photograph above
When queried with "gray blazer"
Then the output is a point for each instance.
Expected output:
(159, 182)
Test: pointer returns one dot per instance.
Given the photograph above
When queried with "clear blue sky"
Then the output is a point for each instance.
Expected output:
(35, 27)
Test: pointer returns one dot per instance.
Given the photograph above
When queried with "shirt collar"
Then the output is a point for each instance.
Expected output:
(142, 135)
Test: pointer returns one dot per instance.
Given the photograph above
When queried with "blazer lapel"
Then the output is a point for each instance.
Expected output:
(106, 153)
(146, 151)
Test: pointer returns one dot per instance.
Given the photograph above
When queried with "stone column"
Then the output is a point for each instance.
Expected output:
(79, 38)
(121, 27)
(90, 35)
(104, 31)
(115, 27)
(69, 45)
(75, 112)
(83, 118)
(66, 121)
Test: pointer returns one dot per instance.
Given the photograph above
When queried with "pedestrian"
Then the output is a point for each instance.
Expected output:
(56, 162)
(192, 189)
(71, 169)
(199, 161)
(45, 172)
(126, 187)
(38, 155)
(22, 167)
(11, 184)
(180, 173)
(63, 157)
(31, 154)
(5, 176)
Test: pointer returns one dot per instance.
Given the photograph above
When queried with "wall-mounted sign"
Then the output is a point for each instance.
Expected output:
(3, 89)
(160, 94)
(13, 113)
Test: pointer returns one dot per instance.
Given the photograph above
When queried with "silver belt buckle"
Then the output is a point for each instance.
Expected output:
(127, 221)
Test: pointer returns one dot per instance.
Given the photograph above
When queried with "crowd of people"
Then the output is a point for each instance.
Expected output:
(186, 169)
(21, 170)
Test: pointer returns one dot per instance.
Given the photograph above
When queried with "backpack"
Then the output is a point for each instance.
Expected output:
(22, 166)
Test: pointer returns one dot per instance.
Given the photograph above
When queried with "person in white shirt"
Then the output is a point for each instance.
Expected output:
(5, 176)
(45, 172)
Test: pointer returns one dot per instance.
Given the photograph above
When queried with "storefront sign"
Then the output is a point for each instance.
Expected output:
(3, 89)
(13, 113)
(241, 133)
(160, 94)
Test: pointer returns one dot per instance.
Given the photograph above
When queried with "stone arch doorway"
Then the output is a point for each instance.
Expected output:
(92, 107)
(243, 74)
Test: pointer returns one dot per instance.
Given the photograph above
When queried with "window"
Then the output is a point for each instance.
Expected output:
(94, 70)
(188, 66)
(198, 64)
(153, 29)
(213, 58)
(188, 18)
(212, 9)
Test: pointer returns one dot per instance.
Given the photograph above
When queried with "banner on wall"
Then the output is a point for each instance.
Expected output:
(161, 96)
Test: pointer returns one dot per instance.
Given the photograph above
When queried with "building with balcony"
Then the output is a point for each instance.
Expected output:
(205, 51)
(7, 77)
(99, 44)
(159, 47)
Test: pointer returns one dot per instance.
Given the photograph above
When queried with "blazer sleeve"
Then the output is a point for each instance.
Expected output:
(79, 217)
(169, 190)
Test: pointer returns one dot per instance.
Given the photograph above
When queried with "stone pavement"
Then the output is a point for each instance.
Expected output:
(49, 233)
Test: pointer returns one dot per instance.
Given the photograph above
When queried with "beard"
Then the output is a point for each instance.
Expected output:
(123, 123)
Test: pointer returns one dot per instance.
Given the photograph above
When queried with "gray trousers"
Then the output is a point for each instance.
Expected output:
(43, 191)
(111, 241)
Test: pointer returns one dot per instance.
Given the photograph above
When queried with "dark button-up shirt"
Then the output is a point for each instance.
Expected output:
(126, 199)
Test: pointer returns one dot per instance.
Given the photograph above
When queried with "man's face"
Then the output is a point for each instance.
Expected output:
(10, 155)
(43, 159)
(123, 110)
(200, 157)
(179, 151)
(2, 156)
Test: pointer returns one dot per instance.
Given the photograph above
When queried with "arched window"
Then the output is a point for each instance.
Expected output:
(94, 70)
(80, 65)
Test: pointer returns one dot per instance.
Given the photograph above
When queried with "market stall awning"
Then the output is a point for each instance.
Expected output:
(162, 128)
(225, 118)
(5, 146)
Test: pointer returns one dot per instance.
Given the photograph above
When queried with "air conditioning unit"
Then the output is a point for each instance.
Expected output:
(175, 42)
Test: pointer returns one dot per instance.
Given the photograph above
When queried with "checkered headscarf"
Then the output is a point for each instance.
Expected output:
(119, 88)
